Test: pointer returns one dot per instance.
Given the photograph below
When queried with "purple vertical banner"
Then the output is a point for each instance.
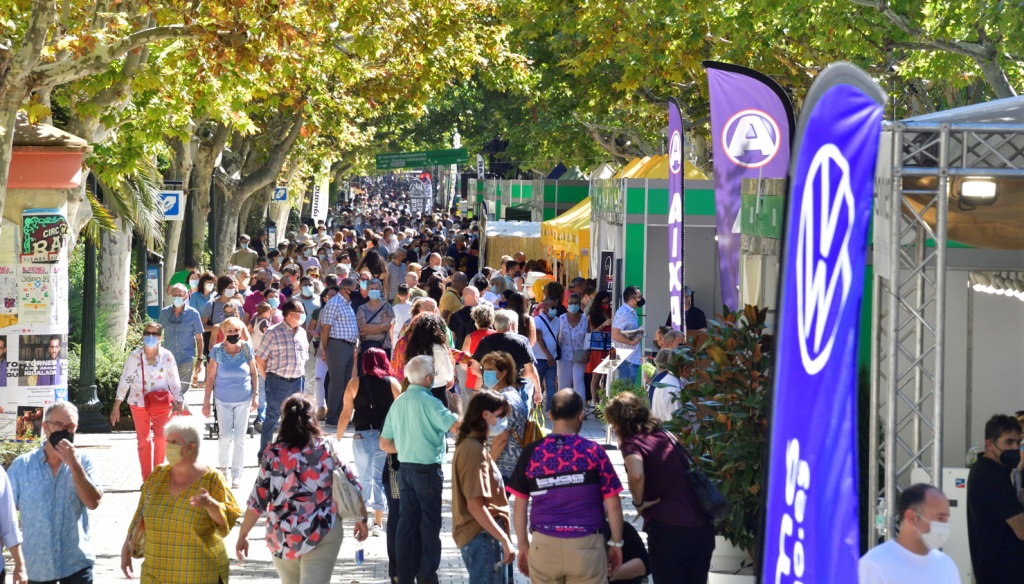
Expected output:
(751, 121)
(811, 534)
(675, 215)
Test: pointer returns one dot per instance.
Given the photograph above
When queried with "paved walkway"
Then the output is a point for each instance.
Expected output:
(114, 457)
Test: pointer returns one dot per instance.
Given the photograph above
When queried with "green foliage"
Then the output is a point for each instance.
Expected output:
(618, 386)
(11, 449)
(110, 361)
(722, 416)
(76, 283)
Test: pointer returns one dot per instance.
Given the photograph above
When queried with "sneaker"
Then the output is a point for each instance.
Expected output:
(376, 531)
(321, 414)
(234, 483)
(257, 426)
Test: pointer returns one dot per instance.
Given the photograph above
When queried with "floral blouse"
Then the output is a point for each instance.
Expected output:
(163, 376)
(293, 490)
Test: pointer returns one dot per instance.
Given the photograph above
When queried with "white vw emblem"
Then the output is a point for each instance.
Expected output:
(823, 270)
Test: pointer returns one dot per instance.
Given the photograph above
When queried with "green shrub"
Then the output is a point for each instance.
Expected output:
(11, 449)
(618, 386)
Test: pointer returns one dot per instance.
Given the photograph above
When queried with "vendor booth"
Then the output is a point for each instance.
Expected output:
(507, 237)
(566, 241)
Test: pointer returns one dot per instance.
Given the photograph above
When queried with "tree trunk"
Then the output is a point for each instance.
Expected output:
(226, 222)
(9, 103)
(114, 293)
(184, 159)
(243, 218)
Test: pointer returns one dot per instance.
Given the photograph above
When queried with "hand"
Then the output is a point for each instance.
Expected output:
(206, 409)
(524, 564)
(254, 405)
(646, 505)
(115, 414)
(360, 531)
(614, 560)
(202, 499)
(508, 551)
(242, 548)
(176, 407)
(126, 563)
(19, 575)
(66, 451)
(536, 397)
(323, 355)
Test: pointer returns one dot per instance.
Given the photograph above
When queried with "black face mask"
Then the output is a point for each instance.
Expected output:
(641, 302)
(55, 437)
(233, 339)
(1010, 458)
(260, 285)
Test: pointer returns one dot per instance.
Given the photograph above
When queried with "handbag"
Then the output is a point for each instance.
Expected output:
(534, 430)
(155, 400)
(580, 355)
(345, 489)
(711, 500)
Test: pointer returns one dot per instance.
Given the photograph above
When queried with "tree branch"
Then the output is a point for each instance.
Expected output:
(25, 60)
(268, 171)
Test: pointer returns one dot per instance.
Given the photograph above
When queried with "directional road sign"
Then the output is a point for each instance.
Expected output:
(421, 159)
(280, 194)
(173, 203)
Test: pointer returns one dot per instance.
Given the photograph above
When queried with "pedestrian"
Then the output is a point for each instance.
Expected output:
(995, 516)
(232, 381)
(303, 530)
(572, 340)
(500, 375)
(482, 317)
(375, 319)
(451, 300)
(183, 337)
(573, 486)
(281, 358)
(396, 272)
(54, 489)
(227, 295)
(508, 340)
(626, 320)
(186, 510)
(518, 304)
(547, 326)
(599, 328)
(368, 399)
(10, 533)
(150, 384)
(203, 293)
(680, 537)
(415, 430)
(320, 369)
(428, 336)
(480, 511)
(339, 333)
(914, 555)
(243, 256)
(663, 391)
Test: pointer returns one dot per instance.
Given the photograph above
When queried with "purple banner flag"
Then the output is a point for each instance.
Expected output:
(751, 121)
(675, 215)
(811, 534)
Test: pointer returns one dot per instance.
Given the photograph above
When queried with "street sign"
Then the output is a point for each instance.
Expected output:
(420, 159)
(280, 194)
(173, 204)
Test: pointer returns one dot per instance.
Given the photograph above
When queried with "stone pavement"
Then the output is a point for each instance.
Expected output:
(114, 457)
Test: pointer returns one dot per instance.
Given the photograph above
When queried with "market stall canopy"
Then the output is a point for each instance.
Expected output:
(602, 172)
(508, 237)
(557, 172)
(574, 173)
(656, 167)
(999, 225)
(568, 235)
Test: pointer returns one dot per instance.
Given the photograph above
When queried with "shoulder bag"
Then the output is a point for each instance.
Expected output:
(711, 500)
(534, 430)
(347, 493)
(558, 347)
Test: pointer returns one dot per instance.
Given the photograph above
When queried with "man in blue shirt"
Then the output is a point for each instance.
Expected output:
(415, 430)
(183, 335)
(53, 489)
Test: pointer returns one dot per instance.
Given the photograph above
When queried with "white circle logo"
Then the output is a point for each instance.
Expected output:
(823, 269)
(751, 138)
(675, 153)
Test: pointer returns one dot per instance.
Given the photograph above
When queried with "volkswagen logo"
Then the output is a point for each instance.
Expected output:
(675, 153)
(823, 268)
(751, 138)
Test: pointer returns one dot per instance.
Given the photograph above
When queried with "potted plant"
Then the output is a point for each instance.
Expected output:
(722, 416)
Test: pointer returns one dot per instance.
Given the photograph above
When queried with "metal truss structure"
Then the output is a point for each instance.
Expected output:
(921, 163)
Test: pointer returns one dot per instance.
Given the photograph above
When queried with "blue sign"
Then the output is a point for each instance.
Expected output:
(173, 204)
(280, 194)
(811, 532)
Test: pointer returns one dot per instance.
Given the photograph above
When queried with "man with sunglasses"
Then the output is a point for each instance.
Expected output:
(626, 319)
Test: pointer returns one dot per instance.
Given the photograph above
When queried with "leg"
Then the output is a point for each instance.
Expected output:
(287, 570)
(185, 369)
(480, 555)
(311, 373)
(578, 370)
(429, 485)
(339, 365)
(565, 372)
(362, 452)
(159, 420)
(408, 526)
(261, 409)
(394, 509)
(145, 443)
(241, 425)
(585, 560)
(276, 393)
(318, 377)
(225, 433)
(83, 576)
(377, 500)
(317, 566)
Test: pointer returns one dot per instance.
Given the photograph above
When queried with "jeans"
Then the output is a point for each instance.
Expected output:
(571, 375)
(83, 576)
(628, 371)
(151, 449)
(339, 363)
(394, 512)
(420, 488)
(232, 422)
(370, 466)
(548, 375)
(316, 566)
(680, 554)
(278, 390)
(482, 556)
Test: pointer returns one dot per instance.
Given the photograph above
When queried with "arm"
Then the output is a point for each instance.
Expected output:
(242, 546)
(349, 404)
(200, 347)
(486, 520)
(396, 388)
(630, 570)
(211, 375)
(635, 477)
(1017, 525)
(261, 364)
(325, 335)
(522, 535)
(613, 508)
(388, 445)
(530, 372)
(87, 492)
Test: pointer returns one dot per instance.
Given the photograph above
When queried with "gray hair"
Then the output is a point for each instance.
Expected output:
(189, 429)
(418, 369)
(504, 319)
(181, 287)
(374, 282)
(347, 283)
(499, 284)
(663, 359)
(65, 405)
(343, 270)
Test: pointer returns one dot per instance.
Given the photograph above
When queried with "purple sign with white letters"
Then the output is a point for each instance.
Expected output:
(751, 120)
(675, 215)
(811, 532)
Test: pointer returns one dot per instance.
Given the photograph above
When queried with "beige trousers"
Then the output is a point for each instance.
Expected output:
(568, 560)
(316, 566)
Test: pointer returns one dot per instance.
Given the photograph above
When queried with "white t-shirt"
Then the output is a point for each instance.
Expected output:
(403, 312)
(662, 403)
(891, 563)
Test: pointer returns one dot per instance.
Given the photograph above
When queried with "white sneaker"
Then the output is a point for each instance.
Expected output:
(234, 483)
(376, 530)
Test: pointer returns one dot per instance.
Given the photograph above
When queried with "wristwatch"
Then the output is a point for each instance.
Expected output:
(363, 520)
(617, 544)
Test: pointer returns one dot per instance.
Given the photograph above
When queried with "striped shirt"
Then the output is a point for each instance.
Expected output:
(338, 314)
(285, 350)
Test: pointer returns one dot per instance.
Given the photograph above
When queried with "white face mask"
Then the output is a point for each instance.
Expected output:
(937, 535)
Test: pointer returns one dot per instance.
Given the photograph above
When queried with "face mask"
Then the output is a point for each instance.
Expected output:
(245, 283)
(363, 284)
(490, 378)
(574, 308)
(173, 453)
(323, 257)
(193, 284)
(937, 536)
(243, 245)
(641, 302)
(229, 293)
(233, 339)
(307, 290)
(55, 437)
(274, 302)
(374, 294)
(500, 427)
(150, 341)
(178, 302)
(208, 287)
(302, 319)
(1010, 458)
(307, 253)
(502, 304)
(553, 313)
(260, 285)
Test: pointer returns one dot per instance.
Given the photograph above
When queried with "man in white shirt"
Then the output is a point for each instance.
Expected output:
(914, 556)
(546, 348)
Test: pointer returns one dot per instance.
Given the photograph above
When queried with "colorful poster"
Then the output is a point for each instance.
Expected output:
(751, 120)
(44, 235)
(675, 215)
(811, 532)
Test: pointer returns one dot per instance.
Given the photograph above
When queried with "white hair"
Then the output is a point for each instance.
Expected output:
(65, 405)
(418, 369)
(190, 430)
(504, 319)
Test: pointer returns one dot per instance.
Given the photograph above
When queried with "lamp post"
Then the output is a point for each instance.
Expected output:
(90, 408)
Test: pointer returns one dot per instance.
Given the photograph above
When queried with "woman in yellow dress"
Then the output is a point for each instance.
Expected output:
(186, 510)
